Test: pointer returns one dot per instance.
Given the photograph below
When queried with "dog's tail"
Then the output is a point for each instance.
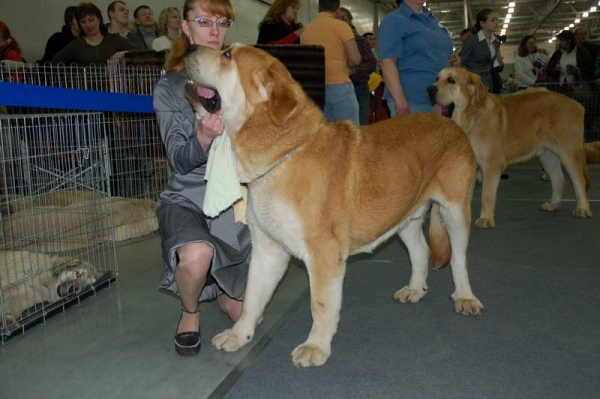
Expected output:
(439, 242)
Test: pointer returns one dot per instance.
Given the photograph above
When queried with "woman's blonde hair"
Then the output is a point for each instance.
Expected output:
(163, 19)
(277, 9)
(176, 57)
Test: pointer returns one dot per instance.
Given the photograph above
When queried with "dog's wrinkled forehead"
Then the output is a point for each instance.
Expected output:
(205, 65)
(448, 75)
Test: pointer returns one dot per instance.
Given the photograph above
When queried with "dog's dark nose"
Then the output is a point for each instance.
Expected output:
(432, 91)
(192, 48)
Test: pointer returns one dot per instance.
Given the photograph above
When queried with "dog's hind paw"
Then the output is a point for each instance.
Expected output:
(582, 213)
(407, 295)
(468, 306)
(485, 223)
(229, 341)
(307, 355)
(550, 207)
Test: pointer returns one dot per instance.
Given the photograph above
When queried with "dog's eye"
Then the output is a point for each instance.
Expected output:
(227, 54)
(451, 81)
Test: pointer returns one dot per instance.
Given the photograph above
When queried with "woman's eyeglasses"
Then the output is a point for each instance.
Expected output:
(207, 23)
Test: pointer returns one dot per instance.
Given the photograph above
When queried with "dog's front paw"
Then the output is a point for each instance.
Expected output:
(582, 213)
(230, 341)
(550, 207)
(307, 355)
(467, 306)
(407, 295)
(485, 223)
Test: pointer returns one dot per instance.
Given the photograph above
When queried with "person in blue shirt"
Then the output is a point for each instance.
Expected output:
(413, 47)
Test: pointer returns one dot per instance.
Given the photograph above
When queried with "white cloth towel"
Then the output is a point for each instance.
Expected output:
(223, 187)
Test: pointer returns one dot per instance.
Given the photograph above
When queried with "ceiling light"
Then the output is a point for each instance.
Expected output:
(566, 28)
(505, 26)
(585, 14)
(502, 32)
(511, 10)
(571, 25)
(512, 4)
(549, 40)
(509, 16)
(507, 20)
(577, 20)
(593, 9)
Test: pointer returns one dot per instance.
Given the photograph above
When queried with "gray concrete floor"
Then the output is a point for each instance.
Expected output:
(119, 344)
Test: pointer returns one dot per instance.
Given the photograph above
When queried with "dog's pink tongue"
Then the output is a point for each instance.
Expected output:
(204, 92)
(437, 109)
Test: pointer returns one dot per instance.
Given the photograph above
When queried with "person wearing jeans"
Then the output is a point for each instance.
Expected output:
(341, 53)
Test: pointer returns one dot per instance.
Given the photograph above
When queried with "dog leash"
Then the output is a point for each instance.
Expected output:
(286, 156)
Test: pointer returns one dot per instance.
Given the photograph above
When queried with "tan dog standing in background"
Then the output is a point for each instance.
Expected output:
(508, 129)
(322, 191)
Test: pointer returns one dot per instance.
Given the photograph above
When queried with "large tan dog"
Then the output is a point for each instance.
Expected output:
(28, 279)
(510, 129)
(322, 191)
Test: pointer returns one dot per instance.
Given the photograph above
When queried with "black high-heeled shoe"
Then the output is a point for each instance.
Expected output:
(187, 343)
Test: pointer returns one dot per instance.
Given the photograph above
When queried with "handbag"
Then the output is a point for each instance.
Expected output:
(580, 91)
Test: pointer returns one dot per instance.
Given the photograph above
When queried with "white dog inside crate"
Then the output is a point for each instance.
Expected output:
(66, 220)
(29, 279)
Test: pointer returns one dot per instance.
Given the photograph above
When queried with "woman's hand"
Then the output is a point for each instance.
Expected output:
(500, 59)
(571, 70)
(541, 77)
(402, 107)
(454, 60)
(209, 127)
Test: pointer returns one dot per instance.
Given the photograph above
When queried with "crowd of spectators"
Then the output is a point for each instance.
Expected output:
(355, 63)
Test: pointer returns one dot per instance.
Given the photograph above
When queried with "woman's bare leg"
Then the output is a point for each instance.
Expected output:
(231, 306)
(190, 276)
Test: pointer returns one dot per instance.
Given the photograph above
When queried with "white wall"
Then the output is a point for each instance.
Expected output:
(32, 22)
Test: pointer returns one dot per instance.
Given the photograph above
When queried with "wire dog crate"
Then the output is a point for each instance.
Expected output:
(74, 182)
(56, 218)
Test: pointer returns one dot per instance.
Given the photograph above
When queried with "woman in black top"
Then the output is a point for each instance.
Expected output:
(59, 40)
(96, 45)
(279, 25)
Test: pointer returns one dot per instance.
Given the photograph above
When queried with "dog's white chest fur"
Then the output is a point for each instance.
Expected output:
(276, 218)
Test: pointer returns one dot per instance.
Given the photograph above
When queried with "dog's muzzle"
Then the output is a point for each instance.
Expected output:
(447, 110)
(65, 289)
(432, 91)
(209, 98)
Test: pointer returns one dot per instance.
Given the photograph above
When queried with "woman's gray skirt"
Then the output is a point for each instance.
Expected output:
(180, 225)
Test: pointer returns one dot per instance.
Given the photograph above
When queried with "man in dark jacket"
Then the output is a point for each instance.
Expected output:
(146, 27)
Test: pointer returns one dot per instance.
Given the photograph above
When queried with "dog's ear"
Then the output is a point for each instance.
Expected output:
(282, 99)
(476, 87)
